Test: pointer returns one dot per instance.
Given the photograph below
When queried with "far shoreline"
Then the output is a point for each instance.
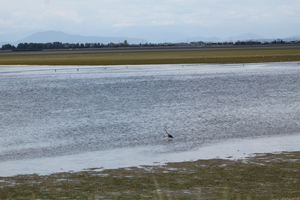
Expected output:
(149, 56)
(213, 46)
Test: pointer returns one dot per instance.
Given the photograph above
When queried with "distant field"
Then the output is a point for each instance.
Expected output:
(155, 56)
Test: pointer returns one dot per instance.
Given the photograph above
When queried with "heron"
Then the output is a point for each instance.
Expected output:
(170, 136)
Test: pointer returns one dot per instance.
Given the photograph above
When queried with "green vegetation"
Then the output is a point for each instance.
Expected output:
(58, 45)
(264, 176)
(154, 56)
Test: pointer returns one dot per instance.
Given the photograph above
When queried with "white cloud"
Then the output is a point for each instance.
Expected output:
(64, 15)
(103, 15)
(289, 11)
(122, 25)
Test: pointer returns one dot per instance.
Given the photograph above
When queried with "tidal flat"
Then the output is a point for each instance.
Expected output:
(51, 112)
(262, 176)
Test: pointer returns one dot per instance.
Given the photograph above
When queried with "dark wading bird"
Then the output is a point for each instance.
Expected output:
(170, 136)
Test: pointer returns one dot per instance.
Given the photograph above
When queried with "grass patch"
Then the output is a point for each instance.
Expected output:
(157, 56)
(265, 176)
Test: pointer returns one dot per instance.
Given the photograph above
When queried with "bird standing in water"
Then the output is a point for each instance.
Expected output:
(170, 136)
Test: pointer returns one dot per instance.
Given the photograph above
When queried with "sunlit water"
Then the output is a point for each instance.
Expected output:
(114, 116)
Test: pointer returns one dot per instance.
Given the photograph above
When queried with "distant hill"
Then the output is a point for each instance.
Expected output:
(58, 36)
(202, 39)
(153, 34)
(292, 38)
(10, 38)
(133, 35)
(245, 37)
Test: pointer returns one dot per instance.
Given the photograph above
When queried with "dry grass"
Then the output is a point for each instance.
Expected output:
(163, 56)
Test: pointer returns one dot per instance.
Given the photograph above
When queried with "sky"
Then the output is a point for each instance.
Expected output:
(137, 18)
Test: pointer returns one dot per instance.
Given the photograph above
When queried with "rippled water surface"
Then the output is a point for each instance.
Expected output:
(72, 111)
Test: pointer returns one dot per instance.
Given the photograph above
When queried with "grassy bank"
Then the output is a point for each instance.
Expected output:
(265, 176)
(157, 56)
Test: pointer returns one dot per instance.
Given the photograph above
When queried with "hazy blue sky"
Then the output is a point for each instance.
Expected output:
(189, 18)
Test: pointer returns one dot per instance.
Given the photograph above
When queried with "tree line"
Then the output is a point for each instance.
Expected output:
(60, 45)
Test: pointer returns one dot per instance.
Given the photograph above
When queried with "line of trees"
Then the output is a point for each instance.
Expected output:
(8, 46)
(60, 45)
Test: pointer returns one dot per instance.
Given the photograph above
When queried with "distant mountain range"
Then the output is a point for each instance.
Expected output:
(247, 36)
(244, 37)
(58, 36)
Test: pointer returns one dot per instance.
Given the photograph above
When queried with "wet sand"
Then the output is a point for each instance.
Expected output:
(128, 157)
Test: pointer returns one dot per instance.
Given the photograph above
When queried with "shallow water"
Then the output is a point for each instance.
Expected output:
(114, 110)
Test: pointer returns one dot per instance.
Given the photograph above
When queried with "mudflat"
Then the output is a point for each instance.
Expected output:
(263, 176)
